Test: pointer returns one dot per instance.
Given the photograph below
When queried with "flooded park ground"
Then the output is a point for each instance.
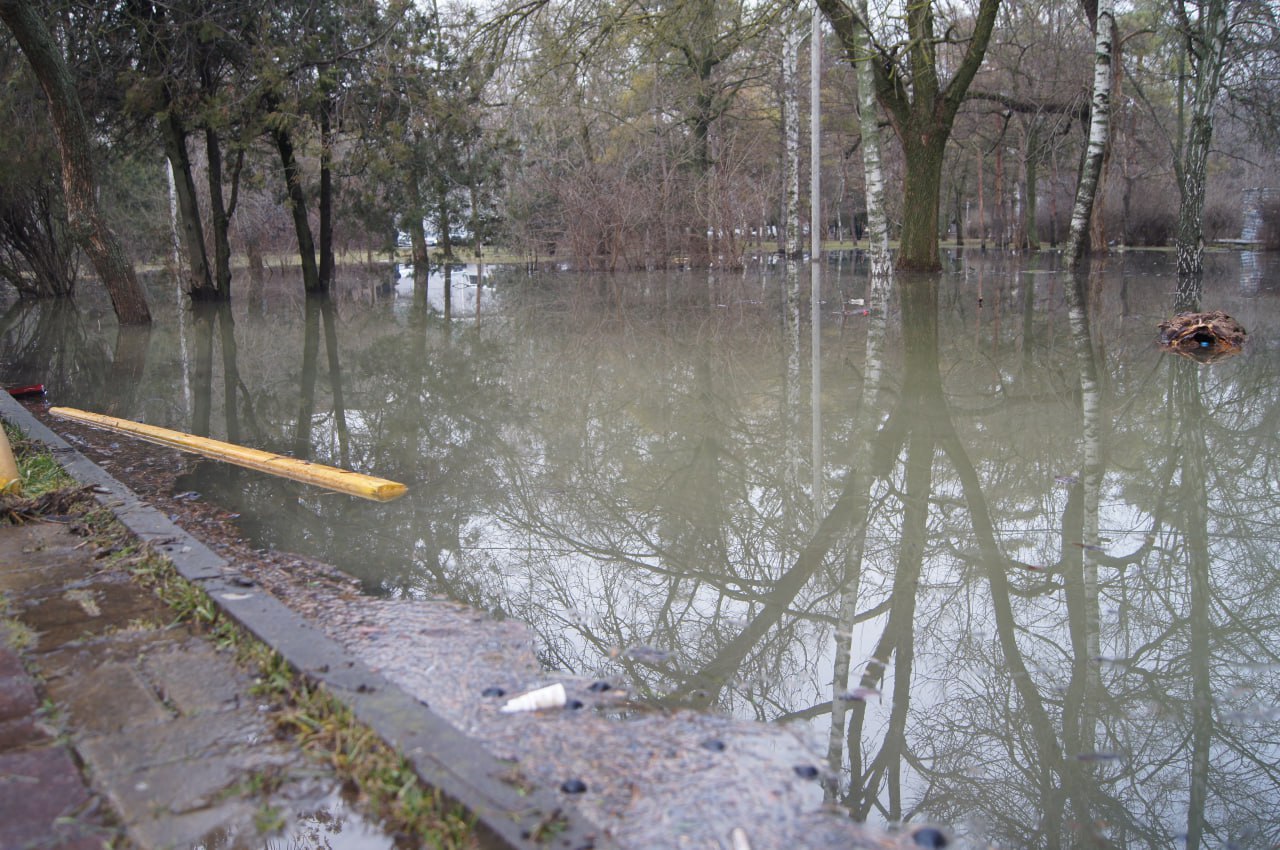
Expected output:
(1033, 599)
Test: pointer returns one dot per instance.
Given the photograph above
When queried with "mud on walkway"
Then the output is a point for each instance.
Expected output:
(431, 677)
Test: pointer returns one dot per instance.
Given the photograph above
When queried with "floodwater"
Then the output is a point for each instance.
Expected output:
(1011, 563)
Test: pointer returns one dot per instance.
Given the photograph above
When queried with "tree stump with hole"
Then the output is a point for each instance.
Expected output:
(1205, 337)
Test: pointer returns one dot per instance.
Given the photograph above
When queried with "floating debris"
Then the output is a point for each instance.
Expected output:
(27, 390)
(552, 696)
(1205, 337)
(738, 838)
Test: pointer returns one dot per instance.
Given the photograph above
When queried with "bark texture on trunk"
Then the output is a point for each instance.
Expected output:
(1099, 134)
(311, 281)
(791, 135)
(919, 106)
(220, 215)
(1207, 39)
(71, 132)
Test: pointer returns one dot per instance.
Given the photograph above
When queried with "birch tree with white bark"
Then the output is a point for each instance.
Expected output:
(872, 166)
(1087, 189)
(791, 139)
(920, 100)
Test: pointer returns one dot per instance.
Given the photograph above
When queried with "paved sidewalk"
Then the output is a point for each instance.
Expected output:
(165, 727)
(118, 729)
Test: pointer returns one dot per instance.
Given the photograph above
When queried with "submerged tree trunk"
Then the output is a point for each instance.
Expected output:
(326, 197)
(791, 136)
(873, 168)
(1031, 164)
(71, 132)
(1099, 133)
(220, 213)
(311, 281)
(920, 108)
(918, 244)
(1207, 43)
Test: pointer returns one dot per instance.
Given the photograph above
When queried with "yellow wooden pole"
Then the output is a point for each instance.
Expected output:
(343, 480)
(10, 478)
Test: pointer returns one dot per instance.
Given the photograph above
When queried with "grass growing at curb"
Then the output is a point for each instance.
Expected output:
(301, 710)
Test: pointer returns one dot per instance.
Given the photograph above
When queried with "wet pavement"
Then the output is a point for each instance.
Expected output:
(120, 729)
(173, 750)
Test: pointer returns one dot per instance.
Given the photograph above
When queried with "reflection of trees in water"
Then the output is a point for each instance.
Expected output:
(1040, 738)
(615, 469)
(404, 397)
(983, 606)
(51, 342)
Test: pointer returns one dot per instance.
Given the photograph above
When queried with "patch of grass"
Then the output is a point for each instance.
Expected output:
(40, 471)
(14, 633)
(268, 819)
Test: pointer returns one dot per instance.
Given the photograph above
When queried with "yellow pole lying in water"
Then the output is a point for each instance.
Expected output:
(343, 480)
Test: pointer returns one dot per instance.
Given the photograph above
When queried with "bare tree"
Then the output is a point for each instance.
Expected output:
(1206, 31)
(920, 105)
(71, 131)
(1099, 131)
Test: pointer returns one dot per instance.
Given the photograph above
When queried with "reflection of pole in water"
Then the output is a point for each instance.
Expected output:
(1080, 710)
(791, 392)
(815, 322)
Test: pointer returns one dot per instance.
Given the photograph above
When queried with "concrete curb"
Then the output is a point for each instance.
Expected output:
(442, 756)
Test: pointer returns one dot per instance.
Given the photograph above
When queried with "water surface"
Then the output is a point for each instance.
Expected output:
(1021, 582)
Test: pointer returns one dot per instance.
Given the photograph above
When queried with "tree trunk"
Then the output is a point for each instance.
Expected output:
(311, 282)
(220, 216)
(199, 284)
(921, 109)
(873, 169)
(1099, 134)
(71, 132)
(791, 136)
(918, 246)
(326, 197)
(446, 257)
(1208, 58)
(1031, 230)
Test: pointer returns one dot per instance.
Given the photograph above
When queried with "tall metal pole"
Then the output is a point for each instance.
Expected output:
(815, 258)
(815, 134)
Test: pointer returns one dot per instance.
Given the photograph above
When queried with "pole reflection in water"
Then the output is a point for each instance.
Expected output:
(1036, 603)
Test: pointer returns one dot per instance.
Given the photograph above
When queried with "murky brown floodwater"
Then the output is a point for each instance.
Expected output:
(1036, 557)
